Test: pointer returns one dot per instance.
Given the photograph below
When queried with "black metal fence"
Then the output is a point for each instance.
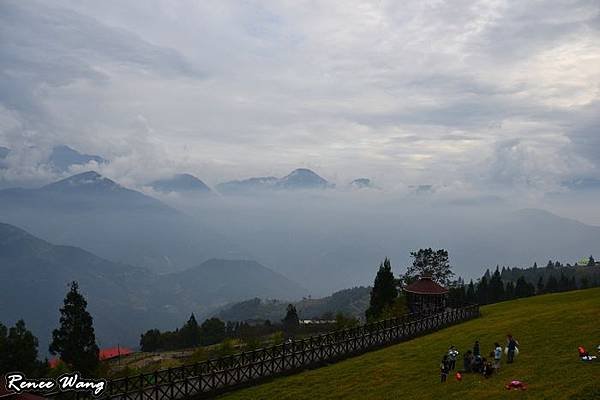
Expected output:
(208, 378)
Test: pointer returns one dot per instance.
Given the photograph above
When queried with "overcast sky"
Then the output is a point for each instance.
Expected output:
(480, 96)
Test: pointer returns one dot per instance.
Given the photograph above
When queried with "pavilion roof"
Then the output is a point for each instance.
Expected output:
(425, 285)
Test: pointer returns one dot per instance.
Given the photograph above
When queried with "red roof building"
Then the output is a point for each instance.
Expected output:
(426, 296)
(104, 354)
(107, 354)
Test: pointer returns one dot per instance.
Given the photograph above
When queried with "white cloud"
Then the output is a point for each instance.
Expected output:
(405, 92)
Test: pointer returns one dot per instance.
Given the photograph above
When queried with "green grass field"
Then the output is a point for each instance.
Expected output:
(549, 329)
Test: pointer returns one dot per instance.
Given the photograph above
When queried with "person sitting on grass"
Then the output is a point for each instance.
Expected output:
(444, 368)
(467, 361)
(488, 368)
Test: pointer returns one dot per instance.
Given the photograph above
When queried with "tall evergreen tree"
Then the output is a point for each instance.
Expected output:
(19, 350)
(470, 295)
(509, 292)
(540, 285)
(384, 291)
(591, 261)
(551, 284)
(190, 332)
(584, 282)
(482, 291)
(496, 288)
(291, 321)
(213, 331)
(522, 289)
(75, 340)
(563, 283)
(572, 283)
(535, 265)
(151, 340)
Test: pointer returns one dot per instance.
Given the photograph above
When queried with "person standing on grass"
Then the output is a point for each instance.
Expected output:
(444, 368)
(512, 346)
(476, 351)
(452, 354)
(497, 356)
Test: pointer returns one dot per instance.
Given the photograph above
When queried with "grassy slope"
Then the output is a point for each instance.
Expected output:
(549, 329)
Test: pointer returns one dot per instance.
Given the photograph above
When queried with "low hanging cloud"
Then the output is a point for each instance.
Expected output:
(485, 95)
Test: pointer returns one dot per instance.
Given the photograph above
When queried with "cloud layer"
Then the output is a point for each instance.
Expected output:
(482, 96)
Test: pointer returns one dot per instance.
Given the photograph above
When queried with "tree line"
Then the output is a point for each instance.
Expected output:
(213, 331)
(512, 283)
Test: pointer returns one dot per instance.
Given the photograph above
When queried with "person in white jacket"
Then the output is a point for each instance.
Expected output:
(497, 355)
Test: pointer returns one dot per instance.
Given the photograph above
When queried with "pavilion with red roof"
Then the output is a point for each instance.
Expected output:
(426, 296)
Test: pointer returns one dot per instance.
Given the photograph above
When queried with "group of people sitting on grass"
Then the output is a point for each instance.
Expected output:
(474, 362)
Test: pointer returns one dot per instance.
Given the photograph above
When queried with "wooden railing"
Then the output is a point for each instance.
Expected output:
(208, 378)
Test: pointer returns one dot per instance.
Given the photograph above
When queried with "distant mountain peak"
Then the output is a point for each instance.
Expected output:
(300, 178)
(180, 183)
(84, 180)
(303, 178)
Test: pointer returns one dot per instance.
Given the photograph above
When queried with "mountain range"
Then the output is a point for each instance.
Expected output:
(181, 183)
(95, 213)
(301, 178)
(351, 302)
(124, 300)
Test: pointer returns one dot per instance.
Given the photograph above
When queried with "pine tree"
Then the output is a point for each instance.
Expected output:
(535, 265)
(584, 283)
(19, 350)
(482, 291)
(190, 333)
(212, 331)
(572, 283)
(540, 285)
(291, 321)
(496, 288)
(151, 340)
(521, 288)
(563, 283)
(470, 295)
(552, 284)
(509, 292)
(384, 291)
(591, 261)
(75, 340)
